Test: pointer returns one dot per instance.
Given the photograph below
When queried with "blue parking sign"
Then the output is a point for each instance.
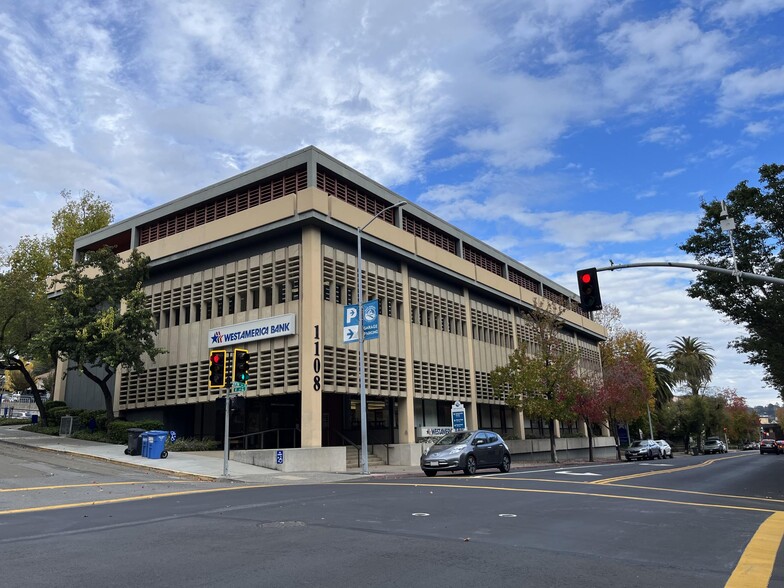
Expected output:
(279, 457)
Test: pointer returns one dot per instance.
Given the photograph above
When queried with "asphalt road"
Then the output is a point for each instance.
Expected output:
(691, 521)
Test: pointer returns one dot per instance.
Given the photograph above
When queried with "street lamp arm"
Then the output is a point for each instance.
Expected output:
(378, 214)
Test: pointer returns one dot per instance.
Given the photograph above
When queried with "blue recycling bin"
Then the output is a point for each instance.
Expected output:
(145, 444)
(156, 444)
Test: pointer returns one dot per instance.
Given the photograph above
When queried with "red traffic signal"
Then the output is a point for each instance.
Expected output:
(218, 369)
(588, 286)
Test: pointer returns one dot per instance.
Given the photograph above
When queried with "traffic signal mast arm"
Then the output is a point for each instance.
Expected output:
(707, 268)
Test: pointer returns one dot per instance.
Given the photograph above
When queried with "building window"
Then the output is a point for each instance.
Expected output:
(281, 293)
(230, 300)
(165, 319)
(219, 306)
(267, 295)
(208, 309)
(327, 290)
(295, 289)
(197, 312)
(349, 295)
(254, 294)
(338, 293)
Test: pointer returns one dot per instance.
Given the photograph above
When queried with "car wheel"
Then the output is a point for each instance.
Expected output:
(470, 467)
(430, 473)
(506, 464)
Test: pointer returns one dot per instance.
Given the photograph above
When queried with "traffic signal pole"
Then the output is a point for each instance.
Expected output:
(707, 268)
(226, 436)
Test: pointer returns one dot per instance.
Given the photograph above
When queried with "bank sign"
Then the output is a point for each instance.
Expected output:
(241, 333)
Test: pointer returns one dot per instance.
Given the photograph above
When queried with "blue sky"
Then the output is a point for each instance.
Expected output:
(563, 132)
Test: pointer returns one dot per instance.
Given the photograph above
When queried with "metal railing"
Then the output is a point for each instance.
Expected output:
(264, 435)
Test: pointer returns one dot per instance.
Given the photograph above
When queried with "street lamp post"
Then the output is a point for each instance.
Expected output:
(361, 338)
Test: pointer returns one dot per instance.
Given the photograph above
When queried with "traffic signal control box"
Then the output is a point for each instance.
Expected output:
(588, 285)
(218, 369)
(241, 366)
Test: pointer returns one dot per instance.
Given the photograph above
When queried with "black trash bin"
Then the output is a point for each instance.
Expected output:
(134, 442)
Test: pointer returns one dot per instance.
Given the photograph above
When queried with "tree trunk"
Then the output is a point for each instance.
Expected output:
(590, 439)
(617, 440)
(553, 451)
(34, 388)
(103, 384)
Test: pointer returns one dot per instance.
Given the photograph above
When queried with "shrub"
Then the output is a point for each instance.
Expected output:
(99, 435)
(50, 404)
(55, 431)
(192, 444)
(118, 430)
(98, 415)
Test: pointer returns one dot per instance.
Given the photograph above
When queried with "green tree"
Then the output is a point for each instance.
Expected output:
(627, 379)
(542, 381)
(691, 363)
(100, 321)
(662, 375)
(758, 240)
(79, 216)
(23, 309)
(24, 306)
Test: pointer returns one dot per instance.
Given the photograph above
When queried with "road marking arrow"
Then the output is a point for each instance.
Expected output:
(578, 473)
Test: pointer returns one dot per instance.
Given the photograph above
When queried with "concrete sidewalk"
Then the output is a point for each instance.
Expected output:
(206, 465)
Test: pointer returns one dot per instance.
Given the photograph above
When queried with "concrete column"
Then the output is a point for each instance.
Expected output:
(311, 336)
(472, 412)
(405, 416)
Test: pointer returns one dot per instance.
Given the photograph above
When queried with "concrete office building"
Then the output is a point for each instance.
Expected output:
(278, 245)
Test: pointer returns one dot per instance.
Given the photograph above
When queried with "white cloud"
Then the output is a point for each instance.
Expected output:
(758, 128)
(734, 11)
(743, 88)
(666, 135)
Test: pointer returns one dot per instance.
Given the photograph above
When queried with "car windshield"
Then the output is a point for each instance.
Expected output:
(639, 443)
(453, 438)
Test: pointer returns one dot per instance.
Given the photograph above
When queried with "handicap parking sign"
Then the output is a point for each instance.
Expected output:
(279, 457)
(173, 436)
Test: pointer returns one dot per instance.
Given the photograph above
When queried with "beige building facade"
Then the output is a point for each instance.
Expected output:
(280, 241)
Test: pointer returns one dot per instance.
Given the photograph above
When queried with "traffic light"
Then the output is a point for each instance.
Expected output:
(588, 285)
(218, 369)
(241, 366)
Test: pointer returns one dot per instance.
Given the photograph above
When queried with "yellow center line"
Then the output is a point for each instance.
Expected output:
(667, 471)
(571, 493)
(94, 485)
(756, 564)
(131, 499)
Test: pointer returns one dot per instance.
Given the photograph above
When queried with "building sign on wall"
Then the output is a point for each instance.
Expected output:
(241, 333)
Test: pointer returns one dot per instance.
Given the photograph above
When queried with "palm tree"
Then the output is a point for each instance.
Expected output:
(691, 363)
(661, 374)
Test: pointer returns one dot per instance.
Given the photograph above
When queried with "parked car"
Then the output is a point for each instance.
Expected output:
(467, 451)
(713, 446)
(665, 448)
(769, 446)
(643, 449)
(780, 443)
(750, 445)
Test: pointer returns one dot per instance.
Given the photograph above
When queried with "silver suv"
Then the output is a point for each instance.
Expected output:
(643, 449)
